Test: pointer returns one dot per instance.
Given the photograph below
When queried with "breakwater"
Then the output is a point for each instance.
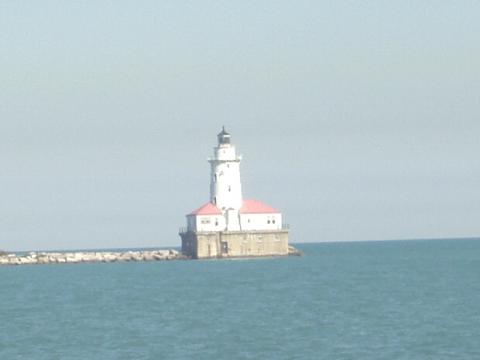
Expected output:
(75, 257)
(33, 258)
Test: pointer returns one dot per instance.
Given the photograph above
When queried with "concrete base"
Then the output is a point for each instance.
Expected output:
(227, 244)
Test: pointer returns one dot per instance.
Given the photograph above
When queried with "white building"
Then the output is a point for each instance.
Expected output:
(227, 210)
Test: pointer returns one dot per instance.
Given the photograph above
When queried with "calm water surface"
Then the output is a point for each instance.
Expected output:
(368, 300)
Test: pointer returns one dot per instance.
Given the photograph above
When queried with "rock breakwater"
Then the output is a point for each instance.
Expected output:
(88, 257)
(292, 251)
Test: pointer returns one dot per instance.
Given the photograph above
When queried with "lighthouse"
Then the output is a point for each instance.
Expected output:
(225, 184)
(229, 225)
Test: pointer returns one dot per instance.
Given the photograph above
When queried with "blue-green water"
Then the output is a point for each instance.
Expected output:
(369, 300)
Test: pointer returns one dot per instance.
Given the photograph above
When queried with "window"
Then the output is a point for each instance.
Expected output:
(215, 200)
(273, 221)
(229, 188)
(268, 221)
(215, 178)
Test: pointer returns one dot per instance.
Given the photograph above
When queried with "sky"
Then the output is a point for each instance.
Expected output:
(359, 120)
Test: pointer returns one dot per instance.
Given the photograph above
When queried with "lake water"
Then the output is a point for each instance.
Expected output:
(358, 300)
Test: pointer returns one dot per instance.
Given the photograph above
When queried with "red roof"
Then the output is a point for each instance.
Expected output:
(256, 207)
(207, 209)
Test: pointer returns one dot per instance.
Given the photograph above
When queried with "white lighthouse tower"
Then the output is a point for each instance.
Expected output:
(225, 184)
(228, 225)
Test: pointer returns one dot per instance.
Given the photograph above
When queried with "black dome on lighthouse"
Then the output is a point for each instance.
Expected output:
(223, 136)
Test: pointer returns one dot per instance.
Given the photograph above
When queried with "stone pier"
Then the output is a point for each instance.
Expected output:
(88, 257)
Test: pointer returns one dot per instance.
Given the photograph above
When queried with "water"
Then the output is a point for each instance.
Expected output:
(369, 300)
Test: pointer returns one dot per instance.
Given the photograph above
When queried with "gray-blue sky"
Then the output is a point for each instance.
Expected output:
(359, 120)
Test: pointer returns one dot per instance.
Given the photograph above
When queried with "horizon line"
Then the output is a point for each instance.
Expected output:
(293, 243)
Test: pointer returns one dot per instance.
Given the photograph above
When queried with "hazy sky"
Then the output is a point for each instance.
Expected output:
(360, 120)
